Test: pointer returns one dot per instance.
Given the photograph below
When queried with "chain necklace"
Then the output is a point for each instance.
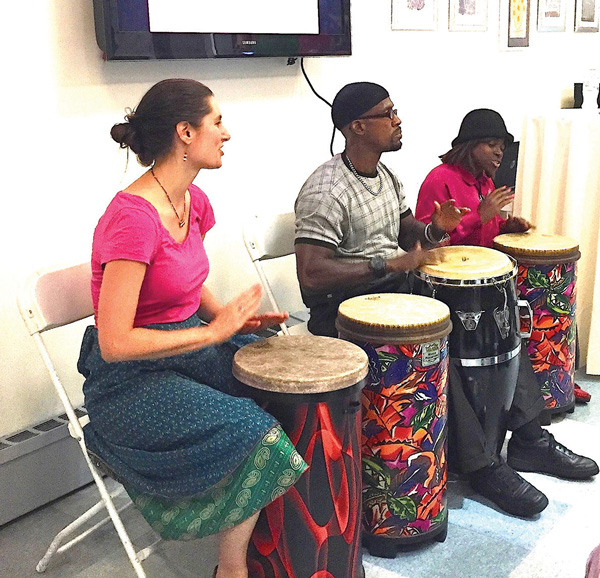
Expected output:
(362, 181)
(180, 219)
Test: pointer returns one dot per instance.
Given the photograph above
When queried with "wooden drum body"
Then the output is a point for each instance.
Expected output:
(312, 386)
(404, 416)
(547, 280)
(478, 285)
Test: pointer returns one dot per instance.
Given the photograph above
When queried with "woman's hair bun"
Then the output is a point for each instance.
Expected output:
(125, 134)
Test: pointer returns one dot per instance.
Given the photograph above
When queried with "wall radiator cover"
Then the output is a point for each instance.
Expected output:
(39, 464)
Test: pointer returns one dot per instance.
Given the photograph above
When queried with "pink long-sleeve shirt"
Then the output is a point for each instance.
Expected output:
(447, 182)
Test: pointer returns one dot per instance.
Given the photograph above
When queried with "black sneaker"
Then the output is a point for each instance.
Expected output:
(547, 456)
(508, 490)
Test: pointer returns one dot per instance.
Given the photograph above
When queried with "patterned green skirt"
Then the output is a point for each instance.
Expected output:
(269, 471)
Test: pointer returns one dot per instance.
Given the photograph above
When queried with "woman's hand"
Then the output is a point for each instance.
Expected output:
(263, 321)
(447, 216)
(234, 316)
(494, 202)
(515, 225)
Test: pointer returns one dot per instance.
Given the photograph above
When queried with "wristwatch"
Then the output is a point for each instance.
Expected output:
(378, 266)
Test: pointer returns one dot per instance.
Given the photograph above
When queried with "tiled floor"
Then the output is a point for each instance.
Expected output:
(482, 542)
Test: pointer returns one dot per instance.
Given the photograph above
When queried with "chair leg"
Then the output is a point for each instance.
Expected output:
(65, 532)
(107, 503)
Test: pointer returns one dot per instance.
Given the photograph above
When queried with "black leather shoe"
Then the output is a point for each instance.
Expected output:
(508, 490)
(547, 456)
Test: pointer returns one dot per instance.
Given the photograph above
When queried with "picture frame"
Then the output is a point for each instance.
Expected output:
(586, 15)
(516, 23)
(467, 15)
(552, 16)
(414, 14)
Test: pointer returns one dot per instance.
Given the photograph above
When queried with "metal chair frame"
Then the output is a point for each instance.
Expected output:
(267, 238)
(48, 299)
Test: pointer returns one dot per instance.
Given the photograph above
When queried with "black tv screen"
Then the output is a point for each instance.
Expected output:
(124, 32)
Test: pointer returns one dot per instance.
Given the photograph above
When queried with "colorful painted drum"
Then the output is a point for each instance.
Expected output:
(312, 385)
(547, 279)
(404, 416)
(478, 285)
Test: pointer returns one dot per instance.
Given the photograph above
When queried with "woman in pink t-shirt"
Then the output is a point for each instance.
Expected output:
(167, 419)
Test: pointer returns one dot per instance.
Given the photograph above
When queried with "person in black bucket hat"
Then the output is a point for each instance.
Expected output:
(483, 123)
(352, 220)
(466, 175)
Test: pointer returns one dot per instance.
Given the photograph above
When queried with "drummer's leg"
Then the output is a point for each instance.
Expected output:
(531, 448)
(469, 453)
(467, 447)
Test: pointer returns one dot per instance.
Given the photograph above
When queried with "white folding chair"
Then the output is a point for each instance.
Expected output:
(271, 238)
(49, 299)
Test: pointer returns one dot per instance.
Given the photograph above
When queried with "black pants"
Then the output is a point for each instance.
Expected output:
(467, 447)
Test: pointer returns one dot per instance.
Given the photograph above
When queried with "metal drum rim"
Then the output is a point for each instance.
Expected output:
(482, 281)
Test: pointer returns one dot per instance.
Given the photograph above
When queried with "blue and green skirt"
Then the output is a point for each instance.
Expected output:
(193, 451)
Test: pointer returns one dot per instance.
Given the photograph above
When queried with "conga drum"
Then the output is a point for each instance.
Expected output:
(478, 285)
(312, 386)
(404, 416)
(547, 279)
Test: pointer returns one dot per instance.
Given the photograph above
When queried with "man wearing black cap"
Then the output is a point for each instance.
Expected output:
(466, 175)
(351, 215)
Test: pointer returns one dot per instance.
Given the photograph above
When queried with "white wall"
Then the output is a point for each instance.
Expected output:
(60, 167)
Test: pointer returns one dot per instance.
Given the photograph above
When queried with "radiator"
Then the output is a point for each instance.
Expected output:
(39, 464)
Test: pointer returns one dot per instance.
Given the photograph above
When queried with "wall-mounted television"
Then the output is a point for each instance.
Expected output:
(182, 29)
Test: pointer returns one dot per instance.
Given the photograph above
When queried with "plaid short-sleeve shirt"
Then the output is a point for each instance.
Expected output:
(334, 209)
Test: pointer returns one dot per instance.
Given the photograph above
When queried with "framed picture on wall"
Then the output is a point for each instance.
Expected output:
(586, 15)
(516, 23)
(468, 15)
(552, 15)
(414, 14)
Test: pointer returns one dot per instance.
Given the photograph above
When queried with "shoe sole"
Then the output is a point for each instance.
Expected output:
(524, 467)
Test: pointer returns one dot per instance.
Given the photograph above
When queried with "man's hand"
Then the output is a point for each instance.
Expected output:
(413, 259)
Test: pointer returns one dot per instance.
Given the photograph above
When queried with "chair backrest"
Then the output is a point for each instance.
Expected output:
(270, 238)
(55, 297)
(52, 298)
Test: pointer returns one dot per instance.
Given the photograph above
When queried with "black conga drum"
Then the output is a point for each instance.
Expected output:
(312, 385)
(478, 285)
(547, 278)
(404, 416)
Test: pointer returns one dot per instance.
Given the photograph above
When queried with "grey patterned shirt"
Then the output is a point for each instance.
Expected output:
(334, 209)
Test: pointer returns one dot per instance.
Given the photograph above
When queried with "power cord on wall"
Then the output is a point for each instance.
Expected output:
(292, 61)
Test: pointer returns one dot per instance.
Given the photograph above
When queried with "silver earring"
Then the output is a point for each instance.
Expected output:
(184, 157)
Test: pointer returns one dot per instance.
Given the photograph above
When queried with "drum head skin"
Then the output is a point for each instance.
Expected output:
(393, 318)
(538, 248)
(300, 364)
(469, 264)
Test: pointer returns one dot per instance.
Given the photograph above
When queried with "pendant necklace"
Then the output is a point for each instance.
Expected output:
(362, 181)
(180, 219)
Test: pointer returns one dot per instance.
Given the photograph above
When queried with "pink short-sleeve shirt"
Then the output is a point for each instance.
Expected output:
(131, 229)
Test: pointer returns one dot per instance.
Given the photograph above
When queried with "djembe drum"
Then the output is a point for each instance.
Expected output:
(478, 285)
(547, 279)
(404, 416)
(312, 385)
